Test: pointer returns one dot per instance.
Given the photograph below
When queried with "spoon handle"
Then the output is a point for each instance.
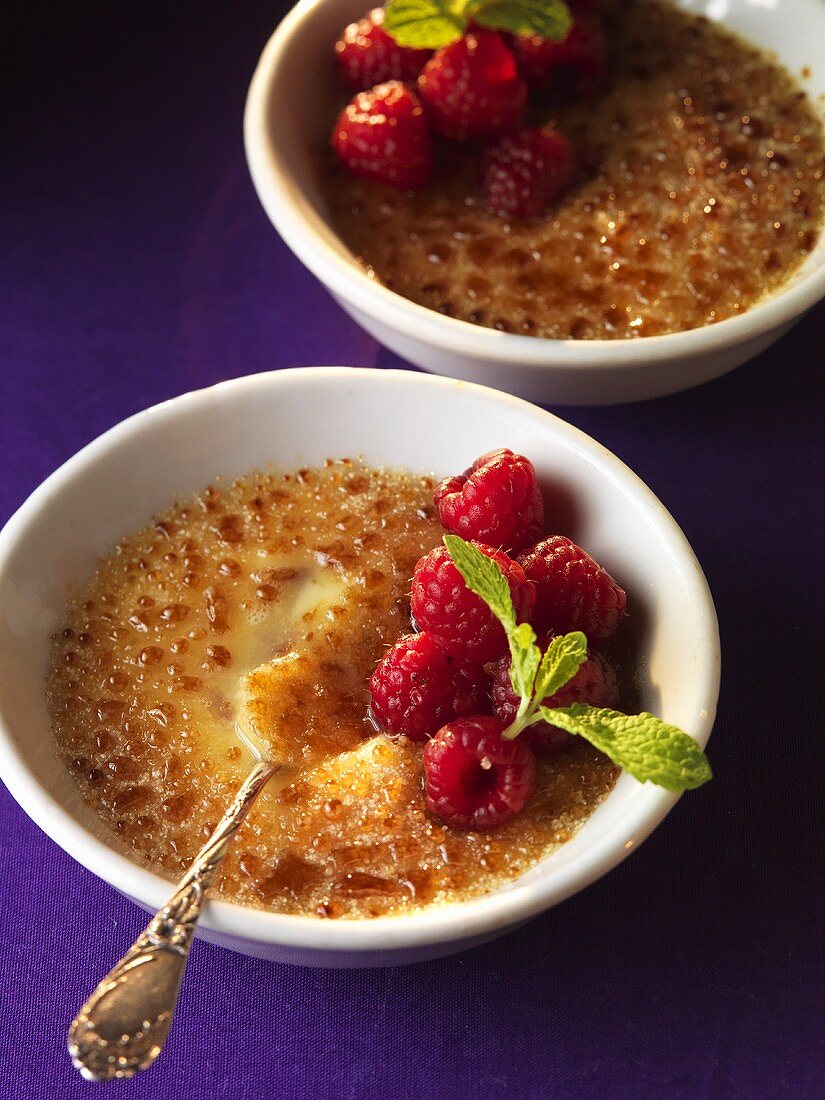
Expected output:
(122, 1027)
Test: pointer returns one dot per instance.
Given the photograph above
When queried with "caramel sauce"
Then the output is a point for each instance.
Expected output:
(245, 622)
(702, 192)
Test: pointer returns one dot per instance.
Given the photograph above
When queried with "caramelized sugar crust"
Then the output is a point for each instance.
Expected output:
(248, 620)
(703, 191)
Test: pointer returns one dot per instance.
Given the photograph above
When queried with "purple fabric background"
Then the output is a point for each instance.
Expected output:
(138, 265)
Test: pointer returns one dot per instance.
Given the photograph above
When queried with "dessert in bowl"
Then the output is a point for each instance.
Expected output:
(670, 226)
(295, 420)
(248, 622)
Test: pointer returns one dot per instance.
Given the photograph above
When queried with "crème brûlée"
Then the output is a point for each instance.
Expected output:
(247, 621)
(701, 190)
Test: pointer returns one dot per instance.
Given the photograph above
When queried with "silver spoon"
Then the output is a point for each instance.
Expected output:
(123, 1026)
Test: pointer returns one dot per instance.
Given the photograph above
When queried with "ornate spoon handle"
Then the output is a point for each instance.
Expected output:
(122, 1027)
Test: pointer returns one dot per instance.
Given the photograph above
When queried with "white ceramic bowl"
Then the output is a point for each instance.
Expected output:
(299, 417)
(289, 112)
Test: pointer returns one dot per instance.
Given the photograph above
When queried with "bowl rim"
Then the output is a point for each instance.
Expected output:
(295, 221)
(438, 924)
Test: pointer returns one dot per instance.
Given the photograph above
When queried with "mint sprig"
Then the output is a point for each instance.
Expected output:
(430, 24)
(646, 747)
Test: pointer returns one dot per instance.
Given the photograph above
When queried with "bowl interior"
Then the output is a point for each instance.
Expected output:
(301, 52)
(301, 417)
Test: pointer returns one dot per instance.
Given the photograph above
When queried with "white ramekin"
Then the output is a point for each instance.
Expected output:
(300, 417)
(289, 113)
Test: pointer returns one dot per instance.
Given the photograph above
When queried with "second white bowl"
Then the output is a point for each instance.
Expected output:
(290, 108)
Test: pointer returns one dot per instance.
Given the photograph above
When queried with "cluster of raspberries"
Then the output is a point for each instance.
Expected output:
(475, 89)
(448, 683)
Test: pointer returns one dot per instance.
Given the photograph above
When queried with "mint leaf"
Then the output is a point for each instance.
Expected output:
(648, 748)
(425, 24)
(524, 659)
(483, 576)
(548, 18)
(562, 659)
(430, 24)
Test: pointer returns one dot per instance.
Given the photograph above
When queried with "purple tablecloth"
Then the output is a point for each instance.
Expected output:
(137, 264)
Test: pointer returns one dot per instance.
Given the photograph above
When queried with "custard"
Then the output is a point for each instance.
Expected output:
(246, 622)
(702, 191)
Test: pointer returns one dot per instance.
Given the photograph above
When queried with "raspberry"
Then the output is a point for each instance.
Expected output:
(460, 621)
(595, 683)
(524, 173)
(473, 778)
(471, 689)
(573, 592)
(382, 135)
(570, 69)
(496, 501)
(367, 55)
(471, 88)
(417, 687)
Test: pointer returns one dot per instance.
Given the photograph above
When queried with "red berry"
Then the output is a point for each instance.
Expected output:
(568, 69)
(367, 55)
(471, 88)
(417, 687)
(496, 501)
(595, 683)
(573, 592)
(382, 135)
(460, 621)
(471, 689)
(473, 778)
(524, 173)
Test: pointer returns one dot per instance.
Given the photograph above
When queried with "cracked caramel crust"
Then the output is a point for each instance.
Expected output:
(213, 594)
